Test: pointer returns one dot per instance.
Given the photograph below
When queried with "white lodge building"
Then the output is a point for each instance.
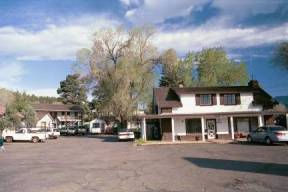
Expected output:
(200, 113)
(57, 115)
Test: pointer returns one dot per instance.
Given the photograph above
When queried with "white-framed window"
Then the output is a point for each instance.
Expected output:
(229, 99)
(205, 99)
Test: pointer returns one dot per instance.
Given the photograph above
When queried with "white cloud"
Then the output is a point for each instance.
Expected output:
(202, 37)
(51, 92)
(157, 11)
(130, 2)
(53, 41)
(10, 74)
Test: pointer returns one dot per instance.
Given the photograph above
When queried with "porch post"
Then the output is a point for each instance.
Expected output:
(232, 127)
(144, 129)
(203, 126)
(260, 121)
(287, 120)
(173, 129)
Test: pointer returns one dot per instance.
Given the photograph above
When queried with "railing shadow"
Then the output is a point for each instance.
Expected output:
(243, 166)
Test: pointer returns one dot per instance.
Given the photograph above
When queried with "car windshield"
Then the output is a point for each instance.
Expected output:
(278, 129)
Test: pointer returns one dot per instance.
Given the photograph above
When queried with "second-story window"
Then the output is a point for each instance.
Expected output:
(68, 113)
(63, 113)
(76, 114)
(205, 99)
(230, 99)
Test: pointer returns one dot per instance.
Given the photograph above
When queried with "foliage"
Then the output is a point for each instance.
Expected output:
(72, 90)
(281, 55)
(120, 65)
(4, 123)
(6, 96)
(20, 111)
(176, 71)
(213, 68)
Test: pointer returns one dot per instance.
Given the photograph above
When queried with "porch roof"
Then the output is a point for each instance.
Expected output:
(246, 113)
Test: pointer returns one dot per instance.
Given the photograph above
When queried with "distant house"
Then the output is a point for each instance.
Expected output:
(57, 115)
(208, 112)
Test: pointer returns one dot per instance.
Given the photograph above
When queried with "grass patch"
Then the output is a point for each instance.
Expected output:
(140, 141)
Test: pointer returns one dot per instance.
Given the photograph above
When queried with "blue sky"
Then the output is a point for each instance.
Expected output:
(39, 38)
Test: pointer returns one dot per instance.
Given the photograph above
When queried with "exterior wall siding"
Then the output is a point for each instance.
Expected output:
(190, 107)
(47, 120)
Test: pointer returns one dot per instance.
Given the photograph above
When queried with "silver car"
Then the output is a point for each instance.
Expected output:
(269, 134)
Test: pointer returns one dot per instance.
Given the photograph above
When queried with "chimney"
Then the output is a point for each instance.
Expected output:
(253, 84)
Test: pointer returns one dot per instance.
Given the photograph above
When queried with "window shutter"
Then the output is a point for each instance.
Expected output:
(197, 99)
(214, 99)
(238, 99)
(221, 99)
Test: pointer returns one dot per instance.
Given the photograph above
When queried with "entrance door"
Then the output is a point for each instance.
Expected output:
(211, 128)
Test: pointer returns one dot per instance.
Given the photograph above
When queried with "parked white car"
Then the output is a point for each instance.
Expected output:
(52, 133)
(126, 134)
(23, 134)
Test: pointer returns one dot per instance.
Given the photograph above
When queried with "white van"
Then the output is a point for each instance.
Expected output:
(96, 126)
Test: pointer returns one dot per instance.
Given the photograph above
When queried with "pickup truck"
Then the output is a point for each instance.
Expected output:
(23, 134)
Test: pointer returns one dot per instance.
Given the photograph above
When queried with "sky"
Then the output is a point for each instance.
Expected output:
(39, 38)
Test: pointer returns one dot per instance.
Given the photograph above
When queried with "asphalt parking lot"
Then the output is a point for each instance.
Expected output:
(101, 164)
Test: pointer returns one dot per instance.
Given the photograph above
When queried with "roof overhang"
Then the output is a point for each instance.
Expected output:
(199, 115)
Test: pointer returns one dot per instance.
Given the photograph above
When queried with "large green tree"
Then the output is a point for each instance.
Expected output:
(72, 90)
(120, 66)
(176, 71)
(281, 55)
(216, 69)
(209, 67)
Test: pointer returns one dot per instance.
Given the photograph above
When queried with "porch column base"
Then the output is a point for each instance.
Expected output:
(203, 127)
(287, 120)
(143, 132)
(232, 127)
(173, 129)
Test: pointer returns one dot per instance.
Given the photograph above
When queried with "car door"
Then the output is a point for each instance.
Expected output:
(263, 134)
(256, 136)
(19, 135)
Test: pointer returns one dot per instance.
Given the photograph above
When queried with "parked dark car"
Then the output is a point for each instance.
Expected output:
(82, 130)
(72, 131)
(63, 131)
(269, 134)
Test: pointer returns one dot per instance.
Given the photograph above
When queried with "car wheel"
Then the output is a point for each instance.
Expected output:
(9, 139)
(249, 139)
(35, 140)
(268, 141)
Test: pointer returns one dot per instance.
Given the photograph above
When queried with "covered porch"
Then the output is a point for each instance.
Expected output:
(202, 127)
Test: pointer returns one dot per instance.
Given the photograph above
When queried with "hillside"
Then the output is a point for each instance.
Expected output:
(8, 96)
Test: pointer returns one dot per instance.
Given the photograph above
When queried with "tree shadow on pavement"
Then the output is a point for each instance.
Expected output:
(243, 166)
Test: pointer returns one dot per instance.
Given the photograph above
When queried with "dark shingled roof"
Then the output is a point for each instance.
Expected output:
(56, 107)
(166, 97)
(169, 97)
